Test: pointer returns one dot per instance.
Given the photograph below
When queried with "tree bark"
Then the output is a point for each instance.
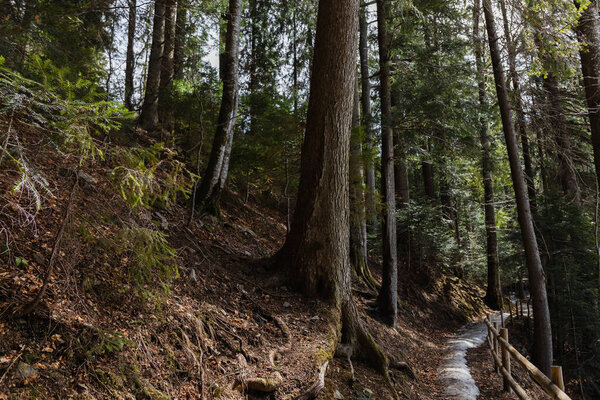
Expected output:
(518, 103)
(537, 283)
(587, 31)
(166, 67)
(130, 58)
(493, 294)
(388, 294)
(214, 178)
(149, 115)
(180, 32)
(365, 100)
(315, 256)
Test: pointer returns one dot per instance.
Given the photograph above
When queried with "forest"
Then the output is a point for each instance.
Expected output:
(299, 199)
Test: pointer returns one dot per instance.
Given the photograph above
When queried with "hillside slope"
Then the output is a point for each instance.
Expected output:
(112, 327)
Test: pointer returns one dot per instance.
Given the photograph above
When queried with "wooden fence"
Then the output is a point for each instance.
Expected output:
(503, 352)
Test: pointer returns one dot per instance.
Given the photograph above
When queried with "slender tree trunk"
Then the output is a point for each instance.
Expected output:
(166, 67)
(566, 168)
(588, 34)
(130, 58)
(493, 294)
(214, 178)
(537, 283)
(400, 171)
(365, 100)
(518, 103)
(180, 32)
(428, 185)
(315, 256)
(358, 225)
(149, 115)
(388, 295)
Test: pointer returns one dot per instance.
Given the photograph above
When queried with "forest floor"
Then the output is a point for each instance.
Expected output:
(209, 331)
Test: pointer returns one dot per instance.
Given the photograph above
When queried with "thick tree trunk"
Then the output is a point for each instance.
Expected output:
(149, 115)
(388, 295)
(315, 256)
(365, 100)
(215, 175)
(518, 103)
(537, 283)
(493, 294)
(130, 58)
(588, 34)
(166, 67)
(180, 34)
(358, 225)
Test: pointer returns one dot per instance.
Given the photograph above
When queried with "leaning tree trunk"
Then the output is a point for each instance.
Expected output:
(213, 181)
(365, 100)
(588, 34)
(518, 103)
(388, 294)
(130, 58)
(315, 256)
(180, 32)
(493, 294)
(149, 115)
(542, 328)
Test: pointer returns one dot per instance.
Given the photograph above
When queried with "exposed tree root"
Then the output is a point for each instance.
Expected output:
(317, 386)
(361, 267)
(274, 380)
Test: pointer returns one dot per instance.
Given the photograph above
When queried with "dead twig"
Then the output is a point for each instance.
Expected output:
(28, 308)
(12, 363)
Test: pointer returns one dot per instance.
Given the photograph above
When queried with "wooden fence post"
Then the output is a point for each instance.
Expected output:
(496, 366)
(502, 317)
(505, 358)
(557, 377)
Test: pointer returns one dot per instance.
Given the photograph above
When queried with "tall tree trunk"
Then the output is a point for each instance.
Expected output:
(566, 168)
(588, 34)
(493, 294)
(537, 283)
(215, 175)
(427, 172)
(388, 295)
(149, 115)
(166, 67)
(400, 171)
(180, 33)
(365, 100)
(130, 58)
(315, 256)
(518, 103)
(358, 225)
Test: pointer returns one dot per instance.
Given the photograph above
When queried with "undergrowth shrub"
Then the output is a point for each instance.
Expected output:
(150, 176)
(153, 260)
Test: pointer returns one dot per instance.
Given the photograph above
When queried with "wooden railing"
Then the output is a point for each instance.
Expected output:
(503, 352)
